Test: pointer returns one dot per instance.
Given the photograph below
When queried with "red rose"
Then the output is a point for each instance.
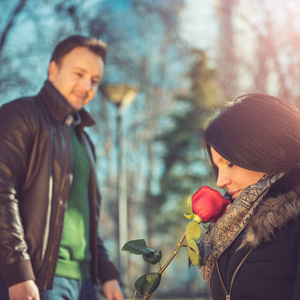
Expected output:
(209, 204)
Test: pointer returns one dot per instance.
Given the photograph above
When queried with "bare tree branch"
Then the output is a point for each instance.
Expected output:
(10, 23)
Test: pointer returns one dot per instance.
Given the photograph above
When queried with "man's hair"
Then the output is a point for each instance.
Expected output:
(257, 132)
(68, 44)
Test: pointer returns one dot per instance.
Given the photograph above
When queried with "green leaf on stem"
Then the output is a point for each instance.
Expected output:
(190, 217)
(193, 231)
(138, 247)
(189, 203)
(148, 283)
(193, 252)
(152, 258)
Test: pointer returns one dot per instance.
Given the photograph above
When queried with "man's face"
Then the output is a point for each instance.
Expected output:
(77, 76)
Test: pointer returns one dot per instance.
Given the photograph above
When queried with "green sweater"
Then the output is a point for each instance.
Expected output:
(74, 253)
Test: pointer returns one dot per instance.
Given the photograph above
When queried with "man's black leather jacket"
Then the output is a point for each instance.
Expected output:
(36, 163)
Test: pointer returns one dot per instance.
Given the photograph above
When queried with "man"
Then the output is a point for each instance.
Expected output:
(49, 202)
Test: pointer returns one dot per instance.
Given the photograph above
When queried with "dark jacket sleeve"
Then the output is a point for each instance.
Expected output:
(107, 270)
(15, 262)
(297, 281)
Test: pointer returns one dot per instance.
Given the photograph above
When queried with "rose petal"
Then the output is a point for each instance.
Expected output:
(209, 204)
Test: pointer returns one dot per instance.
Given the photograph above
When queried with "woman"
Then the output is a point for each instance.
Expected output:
(253, 251)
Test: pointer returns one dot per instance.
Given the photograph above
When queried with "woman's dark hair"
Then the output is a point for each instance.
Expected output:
(257, 132)
(67, 45)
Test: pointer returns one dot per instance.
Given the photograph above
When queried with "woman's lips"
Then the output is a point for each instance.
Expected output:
(234, 194)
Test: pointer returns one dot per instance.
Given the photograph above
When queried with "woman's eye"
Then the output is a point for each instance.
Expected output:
(230, 165)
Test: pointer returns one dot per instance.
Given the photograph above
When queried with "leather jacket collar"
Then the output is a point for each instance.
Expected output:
(59, 107)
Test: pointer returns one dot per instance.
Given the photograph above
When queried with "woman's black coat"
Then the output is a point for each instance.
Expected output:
(264, 261)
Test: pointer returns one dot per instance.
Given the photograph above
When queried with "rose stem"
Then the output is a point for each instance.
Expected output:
(169, 261)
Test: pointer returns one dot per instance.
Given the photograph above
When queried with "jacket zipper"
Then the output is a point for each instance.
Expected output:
(228, 295)
(93, 207)
(55, 247)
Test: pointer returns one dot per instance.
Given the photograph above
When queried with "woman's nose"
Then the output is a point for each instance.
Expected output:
(223, 180)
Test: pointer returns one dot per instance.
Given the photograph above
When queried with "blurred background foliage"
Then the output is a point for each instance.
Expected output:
(187, 57)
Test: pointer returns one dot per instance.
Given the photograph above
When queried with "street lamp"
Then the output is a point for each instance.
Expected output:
(122, 96)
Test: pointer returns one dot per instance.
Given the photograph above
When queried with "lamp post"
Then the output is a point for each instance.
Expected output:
(122, 96)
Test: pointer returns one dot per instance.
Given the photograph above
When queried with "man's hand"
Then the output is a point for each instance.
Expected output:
(26, 290)
(112, 290)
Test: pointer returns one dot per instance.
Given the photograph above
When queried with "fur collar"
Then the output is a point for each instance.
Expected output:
(281, 204)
